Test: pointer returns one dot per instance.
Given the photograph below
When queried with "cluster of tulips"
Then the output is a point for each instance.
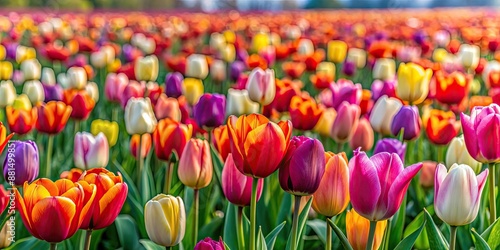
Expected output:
(291, 130)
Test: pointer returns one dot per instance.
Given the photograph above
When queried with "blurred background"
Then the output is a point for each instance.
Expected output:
(214, 5)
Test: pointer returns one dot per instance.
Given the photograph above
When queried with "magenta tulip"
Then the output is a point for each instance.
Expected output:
(378, 184)
(236, 186)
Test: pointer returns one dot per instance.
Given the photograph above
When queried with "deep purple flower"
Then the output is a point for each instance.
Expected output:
(236, 68)
(173, 84)
(391, 145)
(419, 36)
(303, 166)
(209, 244)
(210, 110)
(52, 92)
(241, 55)
(11, 49)
(21, 163)
(349, 68)
(406, 118)
(380, 88)
(345, 90)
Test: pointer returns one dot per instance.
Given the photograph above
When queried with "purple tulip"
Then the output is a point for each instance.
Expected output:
(303, 166)
(345, 90)
(419, 36)
(210, 110)
(21, 163)
(391, 145)
(52, 92)
(80, 60)
(380, 88)
(408, 119)
(349, 68)
(241, 55)
(381, 35)
(128, 52)
(481, 133)
(209, 244)
(11, 50)
(236, 68)
(173, 84)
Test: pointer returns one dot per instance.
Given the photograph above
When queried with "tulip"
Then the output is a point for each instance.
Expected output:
(52, 117)
(380, 88)
(195, 164)
(81, 102)
(251, 137)
(73, 174)
(332, 195)
(165, 219)
(239, 103)
(259, 41)
(7, 93)
(4, 198)
(93, 91)
(384, 69)
(491, 74)
(408, 120)
(218, 71)
(6, 70)
(363, 136)
(439, 55)
(305, 47)
(192, 89)
(357, 56)
(383, 113)
(358, 228)
(228, 53)
(286, 89)
(378, 184)
(171, 136)
(24, 53)
(22, 102)
(457, 193)
(304, 112)
(337, 51)
(480, 133)
(98, 59)
(32, 69)
(20, 121)
(303, 166)
(139, 116)
(146, 68)
(91, 151)
(325, 122)
(209, 111)
(21, 163)
(61, 204)
(469, 55)
(345, 123)
(109, 128)
(34, 90)
(132, 89)
(261, 86)
(236, 69)
(209, 244)
(220, 140)
(345, 90)
(77, 78)
(173, 84)
(196, 66)
(4, 138)
(48, 77)
(144, 141)
(167, 107)
(327, 68)
(236, 186)
(109, 199)
(52, 92)
(413, 83)
(453, 88)
(114, 86)
(441, 127)
(457, 153)
(349, 68)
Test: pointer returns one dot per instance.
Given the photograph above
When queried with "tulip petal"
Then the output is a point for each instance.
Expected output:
(110, 205)
(489, 132)
(398, 189)
(470, 135)
(25, 215)
(56, 212)
(364, 183)
(157, 225)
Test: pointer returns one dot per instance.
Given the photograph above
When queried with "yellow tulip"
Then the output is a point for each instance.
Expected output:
(337, 51)
(384, 69)
(327, 68)
(3, 52)
(228, 53)
(260, 41)
(357, 56)
(325, 122)
(6, 70)
(25, 53)
(146, 68)
(165, 219)
(439, 55)
(23, 102)
(230, 36)
(7, 93)
(109, 128)
(358, 227)
(114, 65)
(413, 83)
(192, 89)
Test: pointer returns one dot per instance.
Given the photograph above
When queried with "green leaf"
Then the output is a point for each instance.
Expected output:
(422, 241)
(127, 232)
(319, 227)
(149, 245)
(408, 242)
(301, 224)
(271, 237)
(132, 189)
(487, 232)
(397, 226)
(340, 235)
(29, 243)
(436, 239)
(494, 236)
(261, 241)
(479, 242)
(230, 234)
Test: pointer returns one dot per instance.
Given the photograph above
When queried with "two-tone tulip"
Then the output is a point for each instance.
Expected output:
(171, 136)
(139, 116)
(261, 86)
(195, 165)
(345, 123)
(357, 229)
(52, 117)
(146, 68)
(383, 113)
(441, 126)
(109, 128)
(21, 121)
(239, 103)
(452, 88)
(114, 86)
(90, 151)
(363, 136)
(165, 219)
(237, 187)
(304, 112)
(457, 153)
(81, 103)
(481, 133)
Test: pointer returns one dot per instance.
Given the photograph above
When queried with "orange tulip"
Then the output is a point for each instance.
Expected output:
(294, 69)
(304, 112)
(479, 101)
(358, 227)
(4, 138)
(441, 126)
(52, 117)
(72, 175)
(146, 144)
(254, 61)
(220, 139)
(81, 102)
(252, 138)
(20, 121)
(53, 211)
(171, 136)
(109, 199)
(321, 80)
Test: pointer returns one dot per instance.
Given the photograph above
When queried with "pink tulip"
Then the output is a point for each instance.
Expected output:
(236, 186)
(133, 89)
(481, 133)
(167, 107)
(195, 165)
(378, 184)
(261, 86)
(363, 136)
(346, 122)
(91, 152)
(114, 86)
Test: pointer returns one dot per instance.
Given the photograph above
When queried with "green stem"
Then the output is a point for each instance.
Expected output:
(169, 248)
(328, 245)
(50, 145)
(196, 215)
(77, 126)
(53, 246)
(88, 236)
(4, 116)
(453, 237)
(401, 135)
(491, 177)
(241, 234)
(168, 177)
(139, 161)
(253, 213)
(295, 222)
(114, 114)
(387, 234)
(371, 235)
(340, 146)
(440, 154)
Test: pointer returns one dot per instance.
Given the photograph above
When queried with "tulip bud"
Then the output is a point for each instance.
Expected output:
(165, 219)
(93, 91)
(457, 153)
(196, 66)
(195, 165)
(109, 128)
(31, 69)
(98, 59)
(346, 122)
(384, 69)
(48, 76)
(146, 68)
(239, 103)
(6, 70)
(236, 186)
(363, 136)
(209, 244)
(457, 193)
(21, 164)
(357, 56)
(357, 229)
(167, 107)
(114, 86)
(91, 151)
(228, 53)
(337, 51)
(7, 93)
(139, 116)
(192, 89)
(259, 41)
(34, 90)
(77, 78)
(325, 122)
(305, 47)
(481, 133)
(261, 86)
(408, 119)
(5, 236)
(469, 55)
(383, 113)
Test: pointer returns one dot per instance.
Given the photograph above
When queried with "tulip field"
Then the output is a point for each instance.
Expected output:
(291, 130)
